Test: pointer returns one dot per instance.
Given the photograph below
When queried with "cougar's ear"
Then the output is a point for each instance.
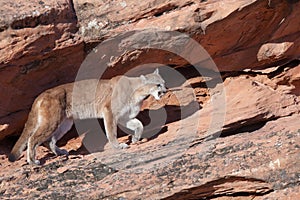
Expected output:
(156, 71)
(143, 78)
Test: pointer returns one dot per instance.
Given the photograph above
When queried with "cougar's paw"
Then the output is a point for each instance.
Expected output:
(34, 162)
(37, 162)
(123, 146)
(62, 152)
(135, 140)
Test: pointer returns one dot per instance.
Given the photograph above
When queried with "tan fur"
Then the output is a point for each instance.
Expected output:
(117, 101)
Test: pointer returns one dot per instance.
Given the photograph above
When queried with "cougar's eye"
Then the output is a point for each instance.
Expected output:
(159, 85)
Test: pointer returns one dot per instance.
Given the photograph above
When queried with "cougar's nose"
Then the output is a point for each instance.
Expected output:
(162, 92)
(165, 89)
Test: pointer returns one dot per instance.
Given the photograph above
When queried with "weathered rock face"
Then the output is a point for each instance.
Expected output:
(42, 35)
(39, 49)
(253, 164)
(39, 36)
(238, 137)
(253, 99)
(237, 34)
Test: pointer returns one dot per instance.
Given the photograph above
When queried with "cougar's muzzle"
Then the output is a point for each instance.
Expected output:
(162, 92)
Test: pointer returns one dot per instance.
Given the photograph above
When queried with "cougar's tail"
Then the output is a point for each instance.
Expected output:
(19, 146)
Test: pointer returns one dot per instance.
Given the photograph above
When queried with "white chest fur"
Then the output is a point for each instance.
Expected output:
(129, 111)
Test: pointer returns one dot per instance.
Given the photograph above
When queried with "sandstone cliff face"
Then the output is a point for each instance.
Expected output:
(253, 151)
(36, 39)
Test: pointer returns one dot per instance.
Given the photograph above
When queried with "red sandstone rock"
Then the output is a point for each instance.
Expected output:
(256, 45)
(235, 33)
(39, 36)
(38, 50)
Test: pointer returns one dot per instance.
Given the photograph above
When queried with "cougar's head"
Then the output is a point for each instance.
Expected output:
(155, 83)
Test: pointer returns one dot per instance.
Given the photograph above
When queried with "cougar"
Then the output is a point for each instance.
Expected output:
(117, 101)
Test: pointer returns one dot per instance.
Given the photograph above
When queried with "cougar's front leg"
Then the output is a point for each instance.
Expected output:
(111, 129)
(137, 126)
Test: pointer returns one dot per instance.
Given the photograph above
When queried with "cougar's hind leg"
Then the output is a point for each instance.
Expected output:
(63, 128)
(49, 116)
(32, 144)
(41, 135)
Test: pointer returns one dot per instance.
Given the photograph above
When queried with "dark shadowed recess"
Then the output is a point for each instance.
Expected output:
(209, 189)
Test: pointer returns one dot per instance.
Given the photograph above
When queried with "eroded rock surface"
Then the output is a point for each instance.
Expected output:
(234, 138)
(39, 50)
